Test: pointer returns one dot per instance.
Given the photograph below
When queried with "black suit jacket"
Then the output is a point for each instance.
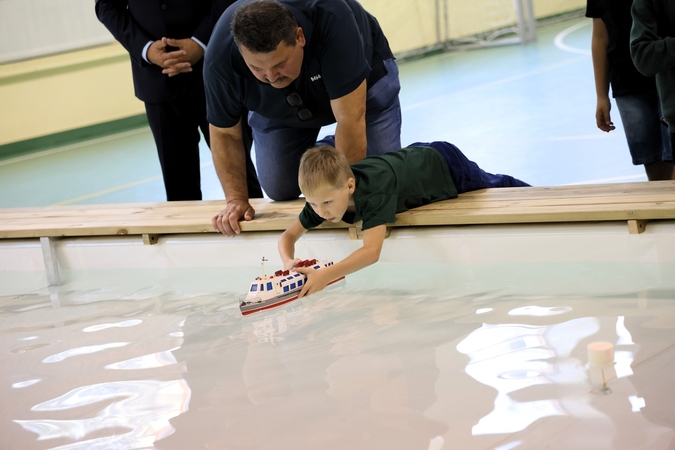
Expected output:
(135, 22)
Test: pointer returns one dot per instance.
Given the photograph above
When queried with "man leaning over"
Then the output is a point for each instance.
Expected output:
(297, 65)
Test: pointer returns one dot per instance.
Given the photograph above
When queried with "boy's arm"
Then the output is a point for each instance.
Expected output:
(287, 242)
(599, 42)
(373, 238)
(651, 53)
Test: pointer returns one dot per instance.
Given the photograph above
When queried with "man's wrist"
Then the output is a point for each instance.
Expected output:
(144, 53)
(201, 44)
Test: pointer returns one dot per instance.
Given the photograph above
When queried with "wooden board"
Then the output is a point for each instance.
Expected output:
(583, 203)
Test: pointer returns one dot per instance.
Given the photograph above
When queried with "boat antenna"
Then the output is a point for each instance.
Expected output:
(263, 266)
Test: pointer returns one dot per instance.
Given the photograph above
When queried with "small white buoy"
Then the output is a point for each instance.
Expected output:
(600, 354)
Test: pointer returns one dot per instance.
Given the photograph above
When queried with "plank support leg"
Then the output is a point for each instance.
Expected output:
(51, 265)
(150, 239)
(637, 226)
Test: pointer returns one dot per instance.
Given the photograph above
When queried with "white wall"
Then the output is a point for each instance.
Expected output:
(30, 28)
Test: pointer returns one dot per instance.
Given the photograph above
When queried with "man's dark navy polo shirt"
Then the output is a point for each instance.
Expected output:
(345, 46)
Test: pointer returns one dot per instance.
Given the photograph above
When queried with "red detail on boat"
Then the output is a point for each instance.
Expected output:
(306, 263)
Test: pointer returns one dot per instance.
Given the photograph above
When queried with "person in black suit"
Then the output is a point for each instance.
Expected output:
(167, 75)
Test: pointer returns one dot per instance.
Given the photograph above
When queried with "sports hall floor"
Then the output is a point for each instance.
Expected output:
(525, 110)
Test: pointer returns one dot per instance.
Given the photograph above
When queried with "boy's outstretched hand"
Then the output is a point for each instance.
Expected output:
(317, 280)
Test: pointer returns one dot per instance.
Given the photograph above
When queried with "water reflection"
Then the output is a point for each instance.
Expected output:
(105, 326)
(83, 351)
(357, 369)
(625, 337)
(513, 357)
(23, 384)
(108, 381)
(153, 360)
(538, 311)
(142, 407)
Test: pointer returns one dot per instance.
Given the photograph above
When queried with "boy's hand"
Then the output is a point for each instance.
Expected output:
(288, 265)
(602, 116)
(317, 280)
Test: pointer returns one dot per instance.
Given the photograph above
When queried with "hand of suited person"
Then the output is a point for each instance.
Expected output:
(181, 61)
(157, 53)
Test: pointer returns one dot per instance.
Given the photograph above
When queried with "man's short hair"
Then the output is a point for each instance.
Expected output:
(323, 168)
(261, 25)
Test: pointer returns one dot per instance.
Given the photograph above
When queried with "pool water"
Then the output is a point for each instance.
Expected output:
(398, 356)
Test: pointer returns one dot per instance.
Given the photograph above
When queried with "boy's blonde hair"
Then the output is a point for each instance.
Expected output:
(323, 167)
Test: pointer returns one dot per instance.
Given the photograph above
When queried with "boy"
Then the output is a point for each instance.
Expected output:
(374, 190)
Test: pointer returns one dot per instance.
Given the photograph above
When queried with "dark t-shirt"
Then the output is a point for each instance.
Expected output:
(344, 47)
(624, 77)
(393, 183)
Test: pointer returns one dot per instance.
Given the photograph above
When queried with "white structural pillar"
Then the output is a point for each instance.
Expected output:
(51, 266)
(527, 25)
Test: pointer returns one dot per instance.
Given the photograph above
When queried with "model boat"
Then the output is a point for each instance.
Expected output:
(284, 286)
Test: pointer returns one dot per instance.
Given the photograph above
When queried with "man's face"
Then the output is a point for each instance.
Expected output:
(280, 67)
(331, 204)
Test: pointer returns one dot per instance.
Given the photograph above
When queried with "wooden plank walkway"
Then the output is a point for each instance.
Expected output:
(634, 203)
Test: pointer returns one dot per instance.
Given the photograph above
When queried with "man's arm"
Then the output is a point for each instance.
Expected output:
(599, 42)
(651, 53)
(115, 15)
(229, 159)
(350, 134)
(317, 280)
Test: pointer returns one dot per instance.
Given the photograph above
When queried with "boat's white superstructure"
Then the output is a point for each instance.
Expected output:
(284, 286)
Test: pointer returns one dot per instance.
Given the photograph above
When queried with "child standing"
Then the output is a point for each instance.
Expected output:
(634, 93)
(373, 191)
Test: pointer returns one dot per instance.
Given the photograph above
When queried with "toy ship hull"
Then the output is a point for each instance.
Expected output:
(281, 288)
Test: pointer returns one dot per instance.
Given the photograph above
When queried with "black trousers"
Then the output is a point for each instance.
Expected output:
(175, 127)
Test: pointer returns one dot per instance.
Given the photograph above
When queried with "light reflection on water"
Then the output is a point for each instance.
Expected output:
(144, 407)
(351, 367)
(26, 383)
(104, 326)
(158, 359)
(83, 351)
(494, 350)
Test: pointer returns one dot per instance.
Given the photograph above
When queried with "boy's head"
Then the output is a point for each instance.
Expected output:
(326, 181)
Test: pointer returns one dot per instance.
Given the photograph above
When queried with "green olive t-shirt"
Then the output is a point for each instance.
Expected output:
(392, 183)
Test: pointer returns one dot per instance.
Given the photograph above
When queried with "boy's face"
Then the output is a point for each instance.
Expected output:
(332, 203)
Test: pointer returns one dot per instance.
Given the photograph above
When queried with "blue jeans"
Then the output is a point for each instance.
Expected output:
(648, 139)
(278, 149)
(465, 173)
